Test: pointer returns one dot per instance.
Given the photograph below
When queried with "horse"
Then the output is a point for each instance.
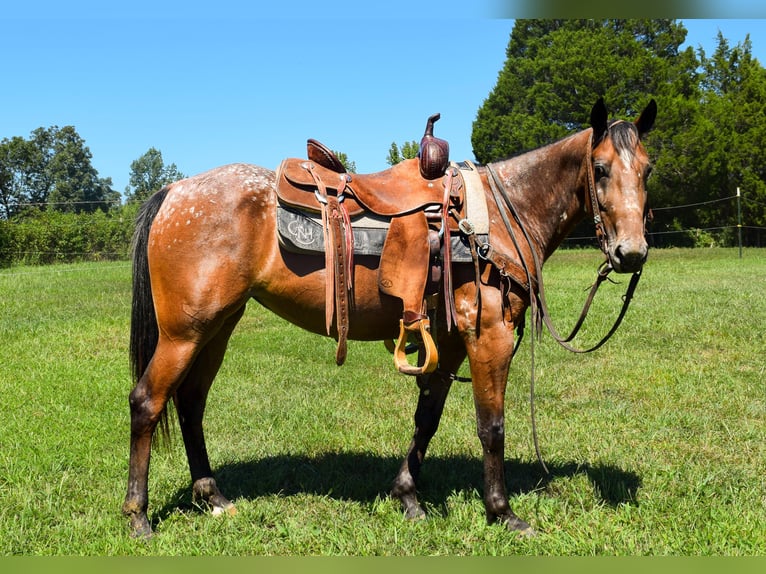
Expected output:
(206, 245)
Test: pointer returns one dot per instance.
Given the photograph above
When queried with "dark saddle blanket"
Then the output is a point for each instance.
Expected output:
(301, 232)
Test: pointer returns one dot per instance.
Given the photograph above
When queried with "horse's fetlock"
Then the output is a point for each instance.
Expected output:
(131, 507)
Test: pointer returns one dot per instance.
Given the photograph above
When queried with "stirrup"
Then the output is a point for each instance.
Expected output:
(423, 326)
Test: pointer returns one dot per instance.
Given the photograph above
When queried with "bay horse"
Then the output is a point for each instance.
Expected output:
(206, 245)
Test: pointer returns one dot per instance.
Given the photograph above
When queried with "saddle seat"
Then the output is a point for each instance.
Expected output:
(396, 191)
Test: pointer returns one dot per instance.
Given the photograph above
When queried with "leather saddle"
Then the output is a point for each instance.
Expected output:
(421, 198)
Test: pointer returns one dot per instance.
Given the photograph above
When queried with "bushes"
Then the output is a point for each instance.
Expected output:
(43, 237)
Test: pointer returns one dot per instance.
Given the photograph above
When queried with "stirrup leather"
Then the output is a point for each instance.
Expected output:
(423, 327)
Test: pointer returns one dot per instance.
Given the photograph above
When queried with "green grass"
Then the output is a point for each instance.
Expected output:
(655, 442)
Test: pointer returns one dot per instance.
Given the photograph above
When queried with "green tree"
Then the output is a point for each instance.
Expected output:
(76, 184)
(556, 69)
(14, 185)
(733, 143)
(409, 150)
(148, 174)
(347, 163)
(51, 169)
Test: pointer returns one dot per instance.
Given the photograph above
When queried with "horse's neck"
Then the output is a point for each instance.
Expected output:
(546, 186)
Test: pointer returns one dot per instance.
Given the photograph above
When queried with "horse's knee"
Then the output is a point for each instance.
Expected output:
(491, 433)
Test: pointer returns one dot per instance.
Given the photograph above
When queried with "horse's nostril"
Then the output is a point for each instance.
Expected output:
(630, 259)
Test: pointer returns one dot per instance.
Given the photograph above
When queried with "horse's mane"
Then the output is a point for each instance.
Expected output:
(624, 136)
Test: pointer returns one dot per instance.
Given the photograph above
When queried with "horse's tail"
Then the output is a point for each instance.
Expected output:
(144, 332)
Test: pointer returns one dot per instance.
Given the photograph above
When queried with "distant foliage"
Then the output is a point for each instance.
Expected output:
(409, 150)
(149, 174)
(51, 170)
(44, 237)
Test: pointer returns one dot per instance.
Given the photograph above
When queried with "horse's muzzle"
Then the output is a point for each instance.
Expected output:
(629, 256)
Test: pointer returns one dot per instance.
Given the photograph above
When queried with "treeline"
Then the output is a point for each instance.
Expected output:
(54, 208)
(52, 168)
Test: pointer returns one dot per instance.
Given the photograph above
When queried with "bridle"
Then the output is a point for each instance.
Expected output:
(537, 299)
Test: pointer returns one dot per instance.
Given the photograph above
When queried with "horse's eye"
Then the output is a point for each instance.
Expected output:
(600, 171)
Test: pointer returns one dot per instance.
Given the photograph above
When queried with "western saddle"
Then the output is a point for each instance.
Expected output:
(421, 202)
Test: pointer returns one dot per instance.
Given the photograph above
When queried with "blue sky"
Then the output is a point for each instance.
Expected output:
(207, 91)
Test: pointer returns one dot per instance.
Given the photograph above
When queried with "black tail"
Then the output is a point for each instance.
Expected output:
(143, 320)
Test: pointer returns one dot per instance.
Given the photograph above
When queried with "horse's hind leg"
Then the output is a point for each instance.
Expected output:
(190, 401)
(434, 389)
(148, 400)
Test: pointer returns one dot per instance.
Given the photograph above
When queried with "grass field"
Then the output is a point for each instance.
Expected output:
(655, 442)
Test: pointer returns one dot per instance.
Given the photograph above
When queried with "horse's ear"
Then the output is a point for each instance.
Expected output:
(598, 120)
(645, 121)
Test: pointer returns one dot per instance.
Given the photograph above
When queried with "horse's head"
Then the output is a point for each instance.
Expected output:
(620, 167)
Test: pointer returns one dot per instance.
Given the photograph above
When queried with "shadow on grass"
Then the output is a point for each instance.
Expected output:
(365, 477)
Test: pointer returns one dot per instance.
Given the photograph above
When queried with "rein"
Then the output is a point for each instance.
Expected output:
(537, 299)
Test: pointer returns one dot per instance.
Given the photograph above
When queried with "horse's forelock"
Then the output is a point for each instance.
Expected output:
(624, 136)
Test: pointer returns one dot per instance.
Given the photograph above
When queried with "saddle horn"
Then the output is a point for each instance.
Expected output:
(434, 152)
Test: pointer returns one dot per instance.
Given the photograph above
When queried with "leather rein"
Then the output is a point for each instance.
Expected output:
(538, 303)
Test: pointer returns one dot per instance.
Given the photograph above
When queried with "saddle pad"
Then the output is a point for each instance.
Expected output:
(300, 232)
(475, 198)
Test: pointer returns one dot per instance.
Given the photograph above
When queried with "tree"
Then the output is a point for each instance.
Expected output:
(75, 183)
(556, 69)
(14, 159)
(347, 163)
(148, 174)
(733, 142)
(409, 150)
(51, 169)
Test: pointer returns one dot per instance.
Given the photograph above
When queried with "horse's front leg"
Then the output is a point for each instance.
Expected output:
(489, 354)
(434, 389)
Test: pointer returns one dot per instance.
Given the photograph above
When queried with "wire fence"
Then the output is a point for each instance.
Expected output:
(664, 232)
(661, 232)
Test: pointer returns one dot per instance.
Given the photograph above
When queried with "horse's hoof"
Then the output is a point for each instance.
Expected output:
(415, 513)
(140, 529)
(520, 527)
(412, 509)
